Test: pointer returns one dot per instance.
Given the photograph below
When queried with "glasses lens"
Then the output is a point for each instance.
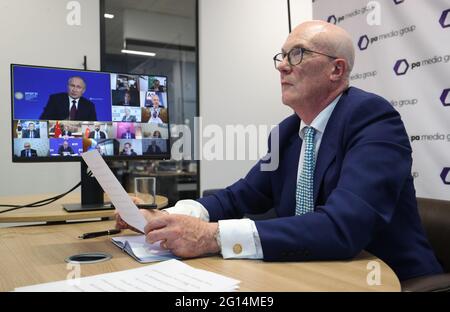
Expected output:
(295, 56)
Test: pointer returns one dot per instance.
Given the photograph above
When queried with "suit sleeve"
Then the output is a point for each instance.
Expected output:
(376, 165)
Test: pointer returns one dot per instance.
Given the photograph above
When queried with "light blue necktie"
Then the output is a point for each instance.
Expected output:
(304, 201)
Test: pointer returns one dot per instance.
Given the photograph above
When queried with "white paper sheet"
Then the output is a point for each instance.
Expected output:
(119, 197)
(142, 251)
(171, 275)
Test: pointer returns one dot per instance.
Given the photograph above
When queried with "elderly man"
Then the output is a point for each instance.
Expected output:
(70, 105)
(343, 183)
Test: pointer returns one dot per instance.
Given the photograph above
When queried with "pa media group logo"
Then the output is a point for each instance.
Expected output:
(401, 67)
(332, 19)
(445, 176)
(445, 97)
(444, 20)
(363, 42)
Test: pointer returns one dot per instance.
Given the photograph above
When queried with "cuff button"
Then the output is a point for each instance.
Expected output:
(237, 248)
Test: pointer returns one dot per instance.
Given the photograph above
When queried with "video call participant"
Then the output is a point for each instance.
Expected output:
(65, 149)
(154, 118)
(31, 132)
(65, 132)
(70, 105)
(156, 86)
(128, 117)
(28, 151)
(128, 134)
(127, 100)
(127, 150)
(97, 133)
(157, 134)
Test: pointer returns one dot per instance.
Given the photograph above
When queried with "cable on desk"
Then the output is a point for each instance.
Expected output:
(40, 203)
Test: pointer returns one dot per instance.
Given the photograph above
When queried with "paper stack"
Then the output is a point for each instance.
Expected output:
(172, 275)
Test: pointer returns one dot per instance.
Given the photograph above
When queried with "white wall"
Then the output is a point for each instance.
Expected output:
(36, 33)
(237, 42)
(301, 11)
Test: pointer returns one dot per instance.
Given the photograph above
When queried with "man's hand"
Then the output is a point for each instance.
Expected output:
(148, 214)
(184, 236)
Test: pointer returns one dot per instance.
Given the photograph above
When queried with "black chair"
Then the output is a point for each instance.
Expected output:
(435, 215)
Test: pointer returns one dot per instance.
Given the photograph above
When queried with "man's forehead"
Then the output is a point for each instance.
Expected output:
(295, 42)
(76, 80)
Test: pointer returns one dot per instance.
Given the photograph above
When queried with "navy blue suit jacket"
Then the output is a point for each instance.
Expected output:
(363, 192)
(57, 108)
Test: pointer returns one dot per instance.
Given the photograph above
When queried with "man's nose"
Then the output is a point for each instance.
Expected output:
(284, 65)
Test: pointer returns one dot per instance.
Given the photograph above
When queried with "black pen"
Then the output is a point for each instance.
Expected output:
(97, 234)
(147, 206)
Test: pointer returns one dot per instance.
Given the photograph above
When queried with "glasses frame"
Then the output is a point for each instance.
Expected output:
(288, 54)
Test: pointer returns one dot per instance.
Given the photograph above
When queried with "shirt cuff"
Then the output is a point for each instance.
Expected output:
(239, 239)
(191, 208)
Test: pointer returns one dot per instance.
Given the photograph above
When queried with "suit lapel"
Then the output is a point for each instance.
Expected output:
(329, 144)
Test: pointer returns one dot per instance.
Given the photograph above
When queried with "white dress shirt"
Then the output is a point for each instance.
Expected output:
(243, 232)
(71, 103)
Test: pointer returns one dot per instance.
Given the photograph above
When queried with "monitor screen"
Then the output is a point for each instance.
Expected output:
(57, 114)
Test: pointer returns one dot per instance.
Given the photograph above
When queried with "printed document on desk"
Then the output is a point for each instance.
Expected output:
(171, 275)
(140, 250)
(128, 211)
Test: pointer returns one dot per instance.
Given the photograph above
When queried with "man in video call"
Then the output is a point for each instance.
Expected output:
(65, 149)
(156, 86)
(28, 151)
(341, 182)
(128, 117)
(97, 133)
(70, 105)
(65, 132)
(128, 134)
(153, 148)
(127, 100)
(31, 132)
(127, 150)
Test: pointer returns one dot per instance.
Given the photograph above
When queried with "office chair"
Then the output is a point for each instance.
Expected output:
(435, 215)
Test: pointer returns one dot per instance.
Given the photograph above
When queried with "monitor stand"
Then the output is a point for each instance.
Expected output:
(91, 194)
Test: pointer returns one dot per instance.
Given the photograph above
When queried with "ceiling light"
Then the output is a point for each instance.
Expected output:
(138, 52)
(107, 15)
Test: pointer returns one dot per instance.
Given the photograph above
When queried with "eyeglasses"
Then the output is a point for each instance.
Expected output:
(295, 56)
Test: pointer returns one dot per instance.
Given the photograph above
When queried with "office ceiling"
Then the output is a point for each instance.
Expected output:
(114, 27)
(184, 8)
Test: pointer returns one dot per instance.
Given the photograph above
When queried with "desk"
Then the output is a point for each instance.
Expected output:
(54, 211)
(31, 255)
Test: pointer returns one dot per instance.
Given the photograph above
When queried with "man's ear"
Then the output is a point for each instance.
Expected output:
(339, 70)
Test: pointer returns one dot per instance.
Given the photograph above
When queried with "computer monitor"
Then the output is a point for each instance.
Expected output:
(59, 113)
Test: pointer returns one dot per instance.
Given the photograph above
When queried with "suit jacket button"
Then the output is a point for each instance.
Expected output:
(237, 248)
